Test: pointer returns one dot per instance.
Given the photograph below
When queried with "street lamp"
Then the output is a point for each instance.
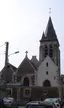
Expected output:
(13, 53)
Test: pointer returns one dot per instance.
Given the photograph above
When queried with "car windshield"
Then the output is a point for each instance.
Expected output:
(39, 106)
(51, 99)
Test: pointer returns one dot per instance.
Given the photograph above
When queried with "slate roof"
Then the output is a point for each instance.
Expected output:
(7, 71)
(35, 61)
(50, 34)
(26, 67)
(13, 67)
(43, 37)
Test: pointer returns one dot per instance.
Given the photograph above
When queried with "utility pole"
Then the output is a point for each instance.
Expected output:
(6, 53)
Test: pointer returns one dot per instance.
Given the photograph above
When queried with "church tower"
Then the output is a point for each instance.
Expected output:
(49, 45)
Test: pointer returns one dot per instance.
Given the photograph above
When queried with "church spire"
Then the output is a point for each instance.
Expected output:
(50, 33)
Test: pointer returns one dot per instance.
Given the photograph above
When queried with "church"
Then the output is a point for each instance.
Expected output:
(44, 72)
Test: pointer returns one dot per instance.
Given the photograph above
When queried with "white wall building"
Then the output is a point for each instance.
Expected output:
(47, 74)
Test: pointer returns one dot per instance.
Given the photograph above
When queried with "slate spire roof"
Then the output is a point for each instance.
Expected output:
(43, 37)
(50, 34)
(26, 67)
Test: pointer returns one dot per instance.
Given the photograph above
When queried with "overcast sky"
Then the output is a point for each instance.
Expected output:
(22, 23)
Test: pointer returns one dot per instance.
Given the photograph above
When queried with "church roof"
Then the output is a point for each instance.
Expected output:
(50, 34)
(26, 67)
(35, 61)
(13, 67)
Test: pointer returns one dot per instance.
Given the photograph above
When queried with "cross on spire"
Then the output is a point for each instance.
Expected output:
(26, 53)
(49, 11)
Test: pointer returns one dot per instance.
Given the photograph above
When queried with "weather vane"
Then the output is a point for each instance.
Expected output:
(49, 11)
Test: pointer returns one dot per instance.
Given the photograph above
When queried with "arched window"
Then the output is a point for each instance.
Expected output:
(46, 83)
(26, 81)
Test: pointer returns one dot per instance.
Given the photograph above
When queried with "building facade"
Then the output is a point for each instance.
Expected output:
(46, 71)
(43, 74)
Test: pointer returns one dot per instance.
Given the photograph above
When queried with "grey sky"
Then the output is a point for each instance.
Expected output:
(22, 23)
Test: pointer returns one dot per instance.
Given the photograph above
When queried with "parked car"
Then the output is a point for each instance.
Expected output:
(62, 104)
(8, 101)
(2, 105)
(54, 100)
(40, 104)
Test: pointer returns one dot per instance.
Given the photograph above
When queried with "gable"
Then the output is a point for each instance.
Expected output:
(26, 67)
(49, 61)
(6, 73)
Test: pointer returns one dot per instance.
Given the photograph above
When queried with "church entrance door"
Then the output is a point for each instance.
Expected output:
(46, 83)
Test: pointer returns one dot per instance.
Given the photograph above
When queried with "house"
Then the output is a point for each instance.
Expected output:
(7, 71)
